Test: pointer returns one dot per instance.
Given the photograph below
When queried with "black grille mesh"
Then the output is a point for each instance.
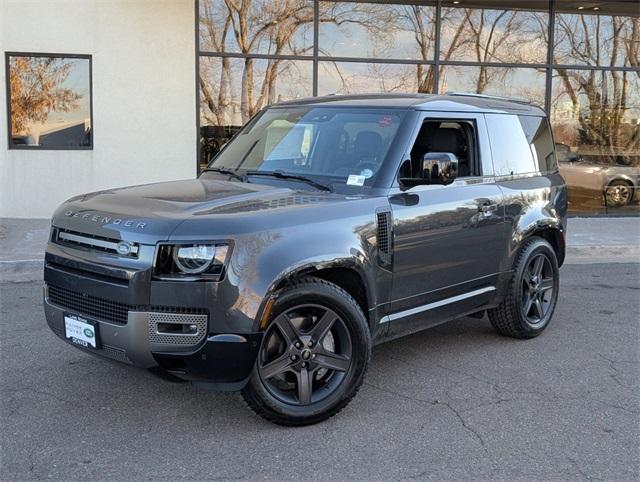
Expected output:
(90, 305)
(107, 310)
(384, 237)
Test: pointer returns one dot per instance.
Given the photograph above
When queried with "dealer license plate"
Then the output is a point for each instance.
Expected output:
(81, 332)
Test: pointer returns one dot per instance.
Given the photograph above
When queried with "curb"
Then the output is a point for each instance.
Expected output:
(603, 254)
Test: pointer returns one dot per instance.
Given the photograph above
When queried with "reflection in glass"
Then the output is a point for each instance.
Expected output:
(484, 35)
(279, 27)
(50, 101)
(233, 90)
(596, 122)
(523, 83)
(604, 40)
(355, 78)
(377, 30)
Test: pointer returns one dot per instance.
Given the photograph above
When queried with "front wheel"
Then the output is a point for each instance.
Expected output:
(313, 355)
(532, 293)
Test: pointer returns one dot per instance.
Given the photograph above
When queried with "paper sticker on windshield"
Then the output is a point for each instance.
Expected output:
(355, 180)
(385, 121)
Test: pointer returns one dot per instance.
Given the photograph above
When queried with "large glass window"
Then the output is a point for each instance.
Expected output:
(492, 35)
(582, 65)
(49, 98)
(596, 121)
(374, 30)
(357, 78)
(598, 40)
(278, 27)
(523, 83)
(232, 90)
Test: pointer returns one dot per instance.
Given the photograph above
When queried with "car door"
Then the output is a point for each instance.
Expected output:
(448, 241)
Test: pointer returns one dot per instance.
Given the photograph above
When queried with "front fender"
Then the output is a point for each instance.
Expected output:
(262, 262)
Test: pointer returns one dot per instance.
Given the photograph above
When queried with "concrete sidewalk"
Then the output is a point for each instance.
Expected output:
(590, 240)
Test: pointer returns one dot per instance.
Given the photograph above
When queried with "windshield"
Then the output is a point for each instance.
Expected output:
(334, 142)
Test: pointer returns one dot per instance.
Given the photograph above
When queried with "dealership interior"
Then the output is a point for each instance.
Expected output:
(579, 60)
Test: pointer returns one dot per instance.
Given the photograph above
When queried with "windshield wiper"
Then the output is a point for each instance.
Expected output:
(231, 173)
(295, 177)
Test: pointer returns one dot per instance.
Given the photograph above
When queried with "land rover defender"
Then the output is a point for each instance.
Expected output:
(325, 226)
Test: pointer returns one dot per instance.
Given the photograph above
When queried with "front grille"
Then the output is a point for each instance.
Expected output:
(107, 310)
(92, 242)
(90, 305)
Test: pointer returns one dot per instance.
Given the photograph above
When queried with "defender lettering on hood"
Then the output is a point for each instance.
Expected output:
(103, 219)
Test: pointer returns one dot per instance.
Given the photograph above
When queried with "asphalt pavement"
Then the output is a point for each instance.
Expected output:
(454, 402)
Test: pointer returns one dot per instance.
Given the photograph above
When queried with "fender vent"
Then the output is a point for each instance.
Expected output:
(384, 238)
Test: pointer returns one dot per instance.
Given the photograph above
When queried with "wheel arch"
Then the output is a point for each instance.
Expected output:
(344, 273)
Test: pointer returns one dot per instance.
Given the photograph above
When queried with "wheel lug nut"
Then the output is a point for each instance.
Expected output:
(313, 356)
(304, 364)
(294, 358)
(310, 343)
(298, 344)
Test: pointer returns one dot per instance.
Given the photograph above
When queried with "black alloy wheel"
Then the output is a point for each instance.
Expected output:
(532, 292)
(305, 355)
(537, 289)
(313, 355)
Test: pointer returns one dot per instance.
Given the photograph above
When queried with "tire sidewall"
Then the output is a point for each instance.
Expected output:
(325, 295)
(538, 246)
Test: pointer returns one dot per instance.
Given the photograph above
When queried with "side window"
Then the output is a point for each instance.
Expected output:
(540, 140)
(509, 145)
(456, 137)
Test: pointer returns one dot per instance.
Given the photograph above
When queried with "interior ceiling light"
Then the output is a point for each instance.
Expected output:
(596, 8)
(580, 8)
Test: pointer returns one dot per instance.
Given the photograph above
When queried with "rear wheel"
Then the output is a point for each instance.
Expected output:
(618, 193)
(313, 355)
(532, 293)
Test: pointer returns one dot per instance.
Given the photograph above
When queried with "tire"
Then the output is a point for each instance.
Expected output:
(301, 334)
(618, 193)
(518, 315)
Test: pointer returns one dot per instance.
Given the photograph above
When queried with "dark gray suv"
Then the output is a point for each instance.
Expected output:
(323, 227)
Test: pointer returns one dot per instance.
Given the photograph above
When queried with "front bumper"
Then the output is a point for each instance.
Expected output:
(137, 338)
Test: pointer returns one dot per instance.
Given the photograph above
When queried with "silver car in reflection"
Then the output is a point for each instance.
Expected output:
(617, 184)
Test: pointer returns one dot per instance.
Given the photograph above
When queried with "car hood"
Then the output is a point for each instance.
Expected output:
(152, 212)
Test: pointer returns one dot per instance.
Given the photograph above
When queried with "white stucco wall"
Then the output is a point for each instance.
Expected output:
(144, 115)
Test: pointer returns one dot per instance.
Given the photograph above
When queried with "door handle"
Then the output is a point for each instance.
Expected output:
(487, 207)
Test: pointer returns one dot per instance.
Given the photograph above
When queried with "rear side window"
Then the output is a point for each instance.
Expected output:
(540, 140)
(509, 146)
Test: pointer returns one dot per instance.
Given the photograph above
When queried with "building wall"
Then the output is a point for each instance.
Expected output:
(143, 97)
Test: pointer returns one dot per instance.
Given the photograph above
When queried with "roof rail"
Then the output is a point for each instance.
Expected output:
(494, 97)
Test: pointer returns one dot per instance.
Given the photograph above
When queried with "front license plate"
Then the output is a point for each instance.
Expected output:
(81, 332)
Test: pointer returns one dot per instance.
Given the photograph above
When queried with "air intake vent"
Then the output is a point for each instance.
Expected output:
(384, 238)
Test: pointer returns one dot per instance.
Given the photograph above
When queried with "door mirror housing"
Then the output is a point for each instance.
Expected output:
(436, 168)
(439, 167)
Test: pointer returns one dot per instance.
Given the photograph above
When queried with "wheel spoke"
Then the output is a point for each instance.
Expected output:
(333, 361)
(537, 265)
(276, 367)
(546, 284)
(323, 326)
(305, 381)
(538, 307)
(527, 305)
(287, 329)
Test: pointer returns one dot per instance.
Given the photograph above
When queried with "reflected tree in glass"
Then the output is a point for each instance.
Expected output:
(37, 90)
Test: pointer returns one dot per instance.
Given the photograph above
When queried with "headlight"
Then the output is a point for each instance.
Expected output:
(191, 261)
(194, 259)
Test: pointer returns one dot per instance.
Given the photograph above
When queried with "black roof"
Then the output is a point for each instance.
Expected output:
(450, 102)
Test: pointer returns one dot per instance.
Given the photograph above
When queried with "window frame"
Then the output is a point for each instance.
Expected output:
(19, 147)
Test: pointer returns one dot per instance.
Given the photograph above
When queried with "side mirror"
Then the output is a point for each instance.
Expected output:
(439, 167)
